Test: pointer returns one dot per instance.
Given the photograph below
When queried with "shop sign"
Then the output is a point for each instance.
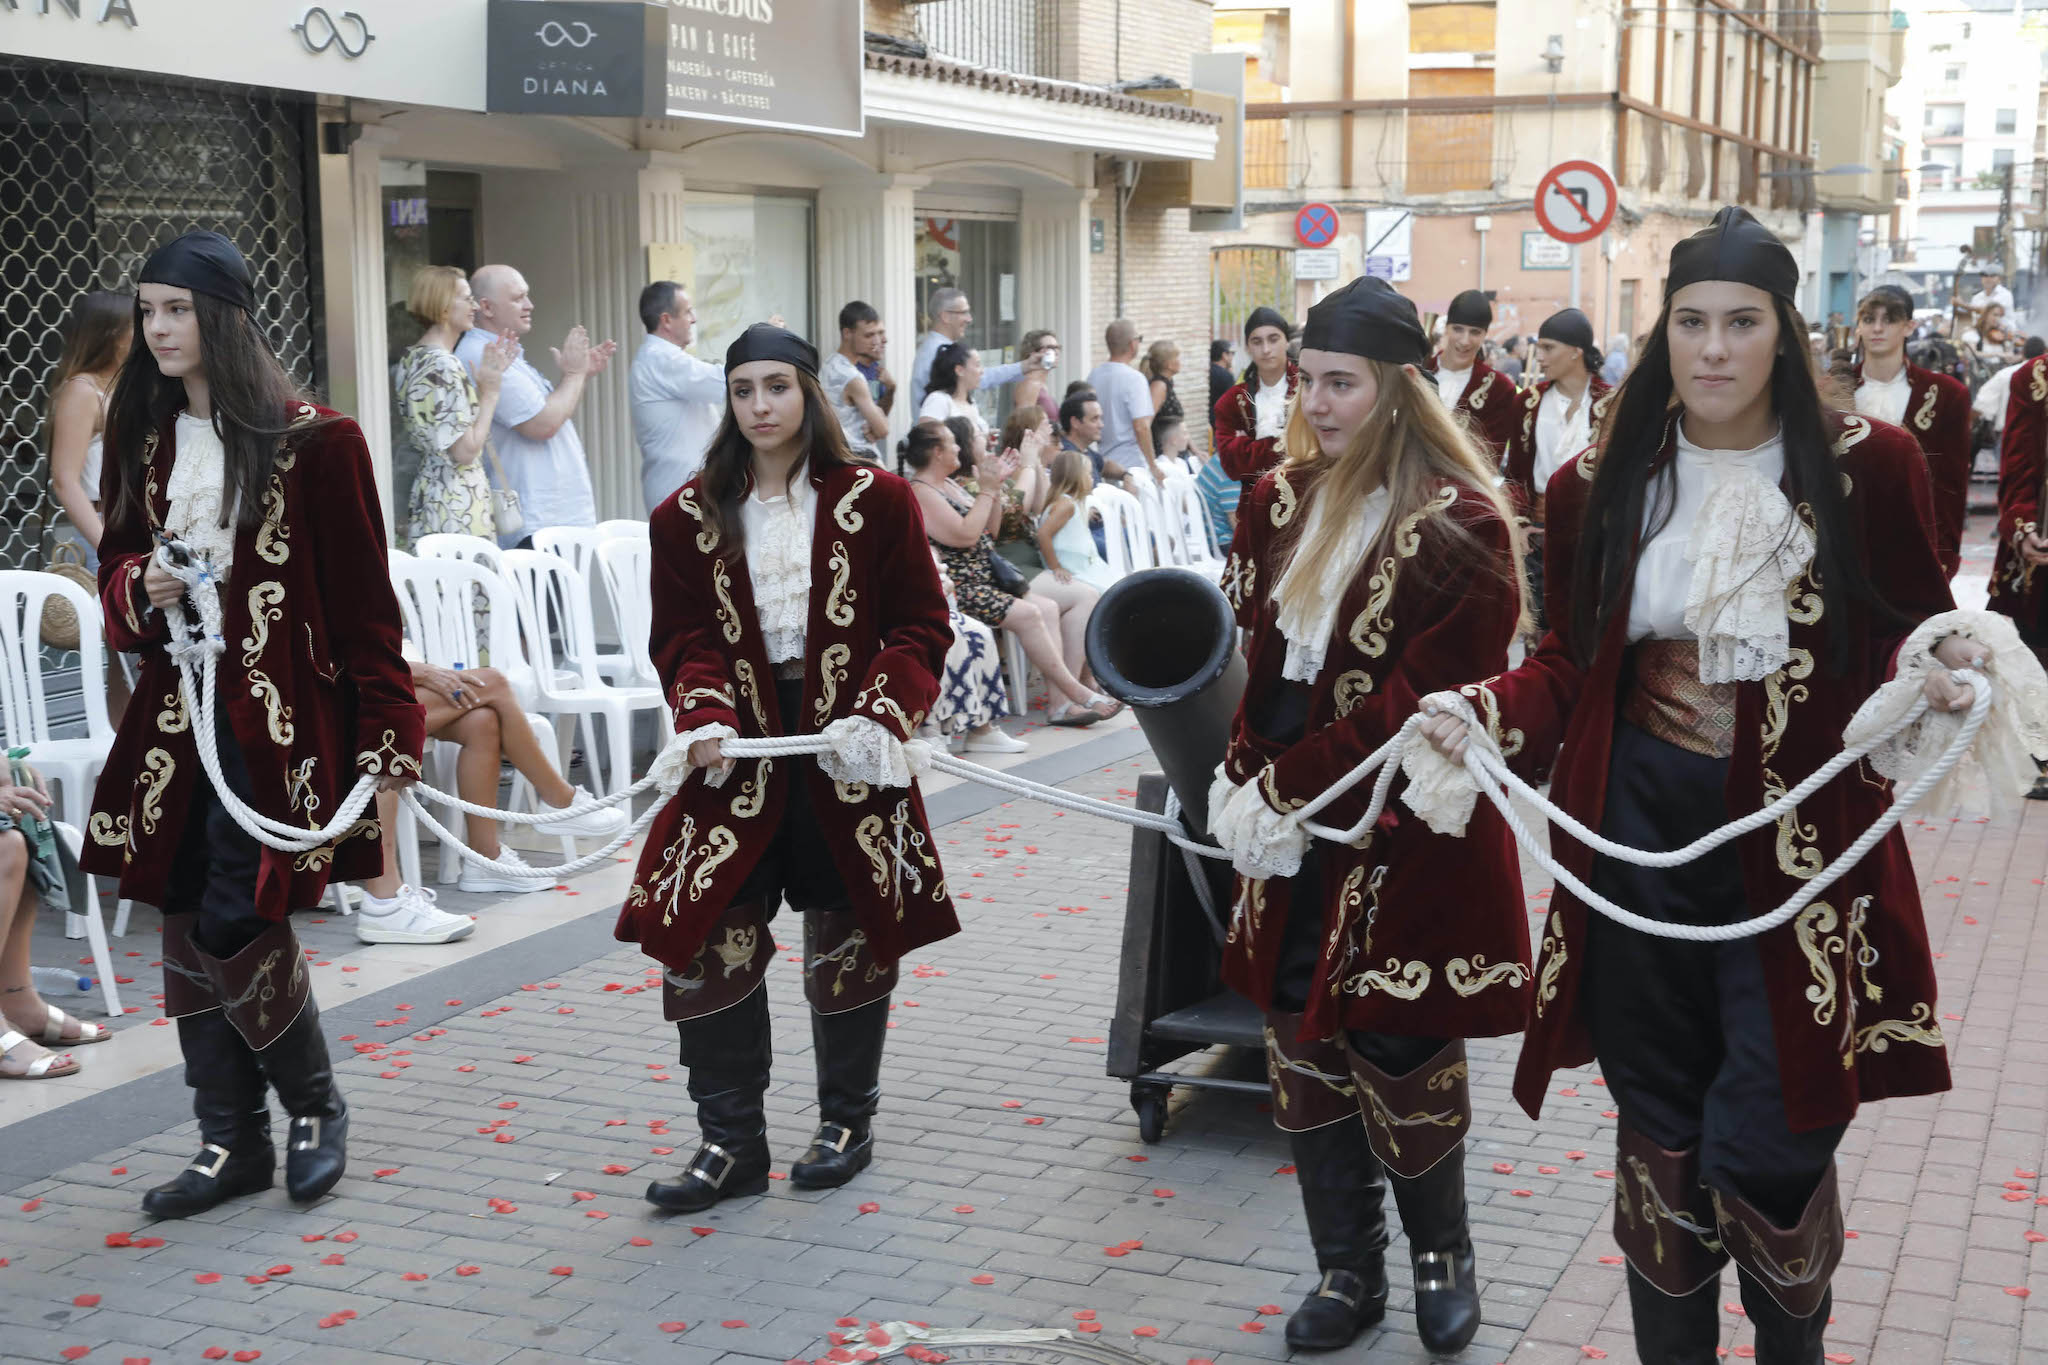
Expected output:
(595, 58)
(104, 11)
(1317, 263)
(1541, 251)
(772, 63)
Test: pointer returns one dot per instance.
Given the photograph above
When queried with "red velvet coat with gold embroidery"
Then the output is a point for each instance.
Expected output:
(1520, 466)
(1246, 455)
(313, 679)
(1423, 935)
(1489, 405)
(874, 646)
(1938, 417)
(2015, 584)
(1851, 981)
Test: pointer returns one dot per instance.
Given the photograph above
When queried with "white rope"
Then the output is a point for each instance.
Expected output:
(196, 654)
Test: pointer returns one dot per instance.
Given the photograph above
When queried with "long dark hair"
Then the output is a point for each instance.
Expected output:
(946, 367)
(1624, 481)
(729, 463)
(92, 336)
(252, 399)
(967, 438)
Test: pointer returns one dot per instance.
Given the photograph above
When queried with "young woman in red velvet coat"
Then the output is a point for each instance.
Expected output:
(793, 595)
(1732, 572)
(1375, 565)
(208, 445)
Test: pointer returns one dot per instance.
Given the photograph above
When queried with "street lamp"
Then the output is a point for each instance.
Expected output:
(1553, 53)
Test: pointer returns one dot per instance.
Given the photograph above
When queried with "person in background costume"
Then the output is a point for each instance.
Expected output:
(2018, 578)
(1465, 383)
(1934, 408)
(1248, 419)
(1560, 413)
(1734, 570)
(1375, 565)
(792, 595)
(209, 446)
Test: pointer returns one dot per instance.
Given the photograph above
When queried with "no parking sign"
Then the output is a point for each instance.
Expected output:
(1315, 225)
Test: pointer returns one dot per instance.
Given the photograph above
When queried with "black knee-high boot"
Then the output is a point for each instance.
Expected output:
(1682, 1329)
(1785, 1271)
(849, 1047)
(1664, 1224)
(236, 1157)
(1781, 1337)
(728, 1054)
(1343, 1192)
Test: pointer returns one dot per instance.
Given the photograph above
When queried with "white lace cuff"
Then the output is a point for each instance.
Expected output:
(671, 767)
(863, 751)
(1262, 842)
(1441, 792)
(1999, 767)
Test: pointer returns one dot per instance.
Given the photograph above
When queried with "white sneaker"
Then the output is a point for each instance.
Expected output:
(409, 917)
(601, 823)
(517, 876)
(993, 741)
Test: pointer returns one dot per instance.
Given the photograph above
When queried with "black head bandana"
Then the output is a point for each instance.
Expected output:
(765, 341)
(1470, 309)
(1734, 247)
(205, 263)
(1266, 317)
(1572, 328)
(1366, 317)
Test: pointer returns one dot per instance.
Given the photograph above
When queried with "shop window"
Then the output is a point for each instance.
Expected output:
(750, 259)
(429, 217)
(979, 255)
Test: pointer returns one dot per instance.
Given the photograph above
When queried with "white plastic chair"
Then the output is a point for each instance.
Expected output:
(578, 545)
(1128, 547)
(437, 598)
(73, 764)
(554, 612)
(1187, 524)
(626, 566)
(622, 526)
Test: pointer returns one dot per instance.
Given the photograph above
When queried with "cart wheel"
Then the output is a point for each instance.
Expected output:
(1150, 1102)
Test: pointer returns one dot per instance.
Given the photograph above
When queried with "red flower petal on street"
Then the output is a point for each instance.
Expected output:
(1089, 1327)
(246, 1356)
(145, 1242)
(1251, 1327)
(1574, 1156)
(1592, 1353)
(1013, 1104)
(1163, 1193)
(388, 1170)
(467, 1270)
(334, 1258)
(1570, 1092)
(413, 1276)
(117, 1239)
(1522, 1194)
(1839, 1358)
(734, 1322)
(641, 1242)
(1613, 1260)
(871, 1207)
(1288, 1169)
(32, 1205)
(562, 1270)
(465, 1068)
(279, 1270)
(207, 1277)
(87, 1301)
(215, 1353)
(1085, 1315)
(582, 1196)
(2018, 1291)
(1034, 1123)
(983, 1279)
(256, 1279)
(963, 1208)
(345, 1236)
(1271, 1309)
(2026, 1175)
(1144, 1331)
(703, 1232)
(616, 1169)
(75, 1352)
(1503, 1168)
(675, 1327)
(2033, 1236)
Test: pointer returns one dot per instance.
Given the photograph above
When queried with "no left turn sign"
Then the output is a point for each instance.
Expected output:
(1575, 201)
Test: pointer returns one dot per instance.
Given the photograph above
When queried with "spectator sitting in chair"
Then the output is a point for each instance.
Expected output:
(35, 866)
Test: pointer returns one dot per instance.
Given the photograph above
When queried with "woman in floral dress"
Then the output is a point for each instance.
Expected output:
(444, 413)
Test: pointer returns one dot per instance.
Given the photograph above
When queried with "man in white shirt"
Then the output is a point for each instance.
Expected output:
(1126, 399)
(1992, 291)
(677, 399)
(533, 431)
(864, 419)
(1991, 398)
(951, 316)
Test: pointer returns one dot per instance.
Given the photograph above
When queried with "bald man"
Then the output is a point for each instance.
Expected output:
(1126, 401)
(532, 430)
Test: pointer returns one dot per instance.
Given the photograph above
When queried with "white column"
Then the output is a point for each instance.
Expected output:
(1052, 284)
(369, 367)
(867, 250)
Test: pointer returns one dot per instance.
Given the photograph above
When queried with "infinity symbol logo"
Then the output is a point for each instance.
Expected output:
(330, 34)
(554, 34)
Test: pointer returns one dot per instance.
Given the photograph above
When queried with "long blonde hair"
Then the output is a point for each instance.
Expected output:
(1410, 444)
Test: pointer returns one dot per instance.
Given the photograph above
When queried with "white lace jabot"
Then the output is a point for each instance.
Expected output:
(1308, 619)
(197, 488)
(1718, 570)
(778, 532)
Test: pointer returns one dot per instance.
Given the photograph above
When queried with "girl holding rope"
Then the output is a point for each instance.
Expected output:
(1732, 571)
(792, 595)
(213, 458)
(1376, 564)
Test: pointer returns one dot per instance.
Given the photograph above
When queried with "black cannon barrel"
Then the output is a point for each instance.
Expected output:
(1164, 642)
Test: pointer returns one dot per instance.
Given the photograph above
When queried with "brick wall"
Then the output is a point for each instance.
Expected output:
(1158, 38)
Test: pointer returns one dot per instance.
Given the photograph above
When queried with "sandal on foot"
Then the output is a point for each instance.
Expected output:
(1099, 702)
(53, 1029)
(1071, 716)
(43, 1068)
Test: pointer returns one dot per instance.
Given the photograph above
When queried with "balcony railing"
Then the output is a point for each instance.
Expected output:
(1018, 36)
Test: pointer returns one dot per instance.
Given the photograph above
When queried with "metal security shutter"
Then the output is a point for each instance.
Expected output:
(97, 168)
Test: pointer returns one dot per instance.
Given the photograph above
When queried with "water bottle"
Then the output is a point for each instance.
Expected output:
(60, 981)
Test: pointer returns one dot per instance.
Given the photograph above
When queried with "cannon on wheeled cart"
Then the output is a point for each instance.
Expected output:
(1164, 642)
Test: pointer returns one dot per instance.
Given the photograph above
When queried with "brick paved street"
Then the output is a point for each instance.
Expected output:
(511, 1104)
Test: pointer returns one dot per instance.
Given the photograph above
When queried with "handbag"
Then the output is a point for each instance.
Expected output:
(505, 511)
(60, 618)
(1008, 576)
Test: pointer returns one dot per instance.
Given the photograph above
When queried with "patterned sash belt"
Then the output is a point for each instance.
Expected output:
(1667, 699)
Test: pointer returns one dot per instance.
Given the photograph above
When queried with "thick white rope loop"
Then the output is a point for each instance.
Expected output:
(197, 654)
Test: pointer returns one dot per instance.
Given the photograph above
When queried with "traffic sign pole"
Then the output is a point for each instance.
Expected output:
(1575, 274)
